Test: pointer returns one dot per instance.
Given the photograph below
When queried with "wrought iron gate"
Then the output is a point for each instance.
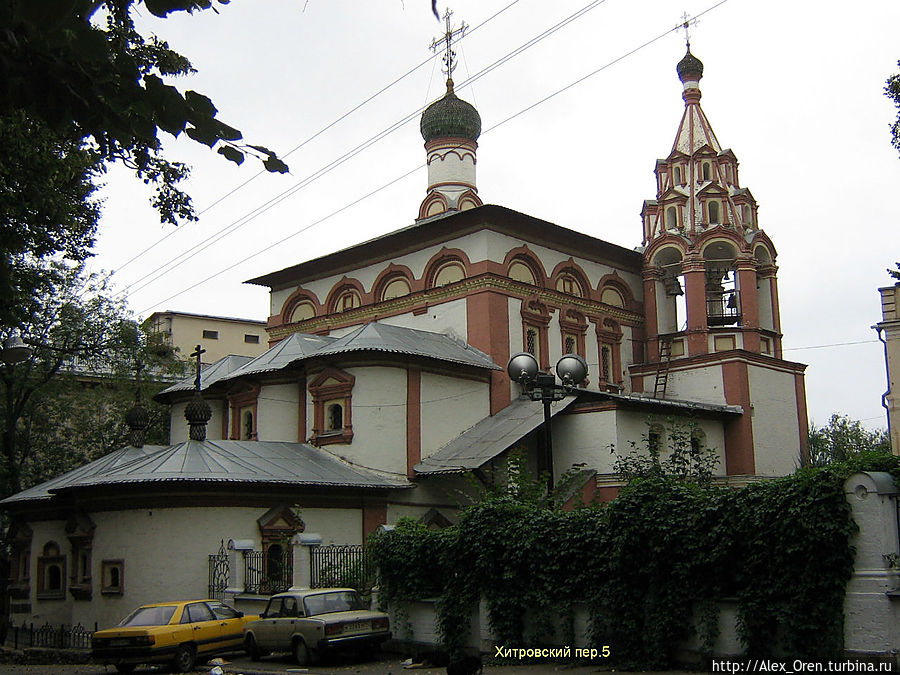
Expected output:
(219, 570)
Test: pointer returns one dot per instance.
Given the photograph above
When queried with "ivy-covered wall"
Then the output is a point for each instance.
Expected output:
(650, 566)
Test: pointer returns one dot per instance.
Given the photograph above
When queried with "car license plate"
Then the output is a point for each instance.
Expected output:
(122, 642)
(356, 626)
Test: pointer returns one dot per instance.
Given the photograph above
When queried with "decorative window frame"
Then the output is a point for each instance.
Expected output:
(20, 537)
(525, 256)
(331, 386)
(387, 277)
(107, 567)
(237, 405)
(80, 532)
(441, 259)
(299, 297)
(569, 269)
(536, 315)
(340, 290)
(573, 323)
(609, 334)
(51, 557)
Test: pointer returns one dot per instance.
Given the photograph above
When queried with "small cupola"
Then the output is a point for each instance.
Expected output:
(450, 128)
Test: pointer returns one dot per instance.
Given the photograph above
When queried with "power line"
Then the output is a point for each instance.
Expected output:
(285, 194)
(246, 218)
(308, 140)
(833, 344)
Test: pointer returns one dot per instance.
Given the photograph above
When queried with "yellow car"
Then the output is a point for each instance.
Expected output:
(171, 632)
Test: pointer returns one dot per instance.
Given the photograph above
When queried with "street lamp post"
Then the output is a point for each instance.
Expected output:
(538, 386)
(14, 350)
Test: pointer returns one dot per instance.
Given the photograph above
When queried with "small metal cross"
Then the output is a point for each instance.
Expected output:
(196, 353)
(686, 24)
(447, 39)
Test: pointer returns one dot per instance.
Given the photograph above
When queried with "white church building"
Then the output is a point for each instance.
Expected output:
(384, 391)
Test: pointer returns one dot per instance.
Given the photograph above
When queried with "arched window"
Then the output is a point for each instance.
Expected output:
(671, 217)
(346, 301)
(533, 342)
(706, 172)
(678, 175)
(713, 212)
(519, 271)
(335, 417)
(302, 312)
(395, 288)
(449, 273)
(569, 285)
(698, 441)
(246, 425)
(51, 573)
(612, 296)
(655, 439)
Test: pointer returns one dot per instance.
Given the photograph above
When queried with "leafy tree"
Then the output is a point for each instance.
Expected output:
(63, 405)
(81, 68)
(892, 91)
(895, 273)
(47, 208)
(843, 439)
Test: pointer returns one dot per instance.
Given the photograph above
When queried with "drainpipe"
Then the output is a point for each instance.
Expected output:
(887, 372)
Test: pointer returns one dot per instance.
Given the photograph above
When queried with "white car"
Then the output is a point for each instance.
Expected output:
(311, 622)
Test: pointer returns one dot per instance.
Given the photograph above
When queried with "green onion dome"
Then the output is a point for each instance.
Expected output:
(689, 66)
(450, 116)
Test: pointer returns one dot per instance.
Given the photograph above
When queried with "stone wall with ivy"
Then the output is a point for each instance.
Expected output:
(651, 567)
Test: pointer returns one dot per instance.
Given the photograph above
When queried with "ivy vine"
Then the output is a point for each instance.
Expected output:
(650, 566)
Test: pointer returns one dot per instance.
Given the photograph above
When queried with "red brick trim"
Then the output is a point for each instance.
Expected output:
(413, 420)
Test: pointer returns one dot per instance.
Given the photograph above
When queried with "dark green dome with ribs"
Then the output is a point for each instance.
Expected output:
(689, 65)
(450, 116)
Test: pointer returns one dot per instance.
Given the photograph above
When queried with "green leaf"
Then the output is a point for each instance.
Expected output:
(205, 136)
(232, 154)
(275, 165)
(200, 104)
(227, 133)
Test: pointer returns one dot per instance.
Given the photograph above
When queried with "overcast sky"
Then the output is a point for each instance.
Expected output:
(795, 89)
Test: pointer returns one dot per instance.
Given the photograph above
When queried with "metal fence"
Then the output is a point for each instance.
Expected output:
(218, 573)
(267, 572)
(343, 566)
(50, 637)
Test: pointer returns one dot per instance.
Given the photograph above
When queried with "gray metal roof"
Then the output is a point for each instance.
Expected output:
(293, 348)
(209, 375)
(489, 437)
(260, 462)
(226, 462)
(382, 337)
(107, 462)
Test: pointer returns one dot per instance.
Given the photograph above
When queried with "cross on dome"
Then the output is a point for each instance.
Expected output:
(447, 40)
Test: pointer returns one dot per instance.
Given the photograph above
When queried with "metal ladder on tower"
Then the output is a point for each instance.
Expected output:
(662, 373)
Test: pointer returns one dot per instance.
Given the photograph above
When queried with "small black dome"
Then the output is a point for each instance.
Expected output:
(450, 116)
(690, 65)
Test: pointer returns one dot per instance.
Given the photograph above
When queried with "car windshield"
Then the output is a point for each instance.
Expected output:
(149, 616)
(336, 601)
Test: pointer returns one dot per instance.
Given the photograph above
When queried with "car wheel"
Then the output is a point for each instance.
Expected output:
(252, 649)
(125, 667)
(303, 654)
(184, 659)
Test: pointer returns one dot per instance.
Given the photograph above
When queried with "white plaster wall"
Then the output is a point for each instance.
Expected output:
(447, 317)
(165, 553)
(500, 244)
(277, 410)
(450, 405)
(776, 432)
(337, 526)
(48, 611)
(584, 437)
(179, 429)
(445, 166)
(378, 418)
(704, 385)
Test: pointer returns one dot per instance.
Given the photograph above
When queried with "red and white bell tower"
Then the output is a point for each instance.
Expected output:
(713, 328)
